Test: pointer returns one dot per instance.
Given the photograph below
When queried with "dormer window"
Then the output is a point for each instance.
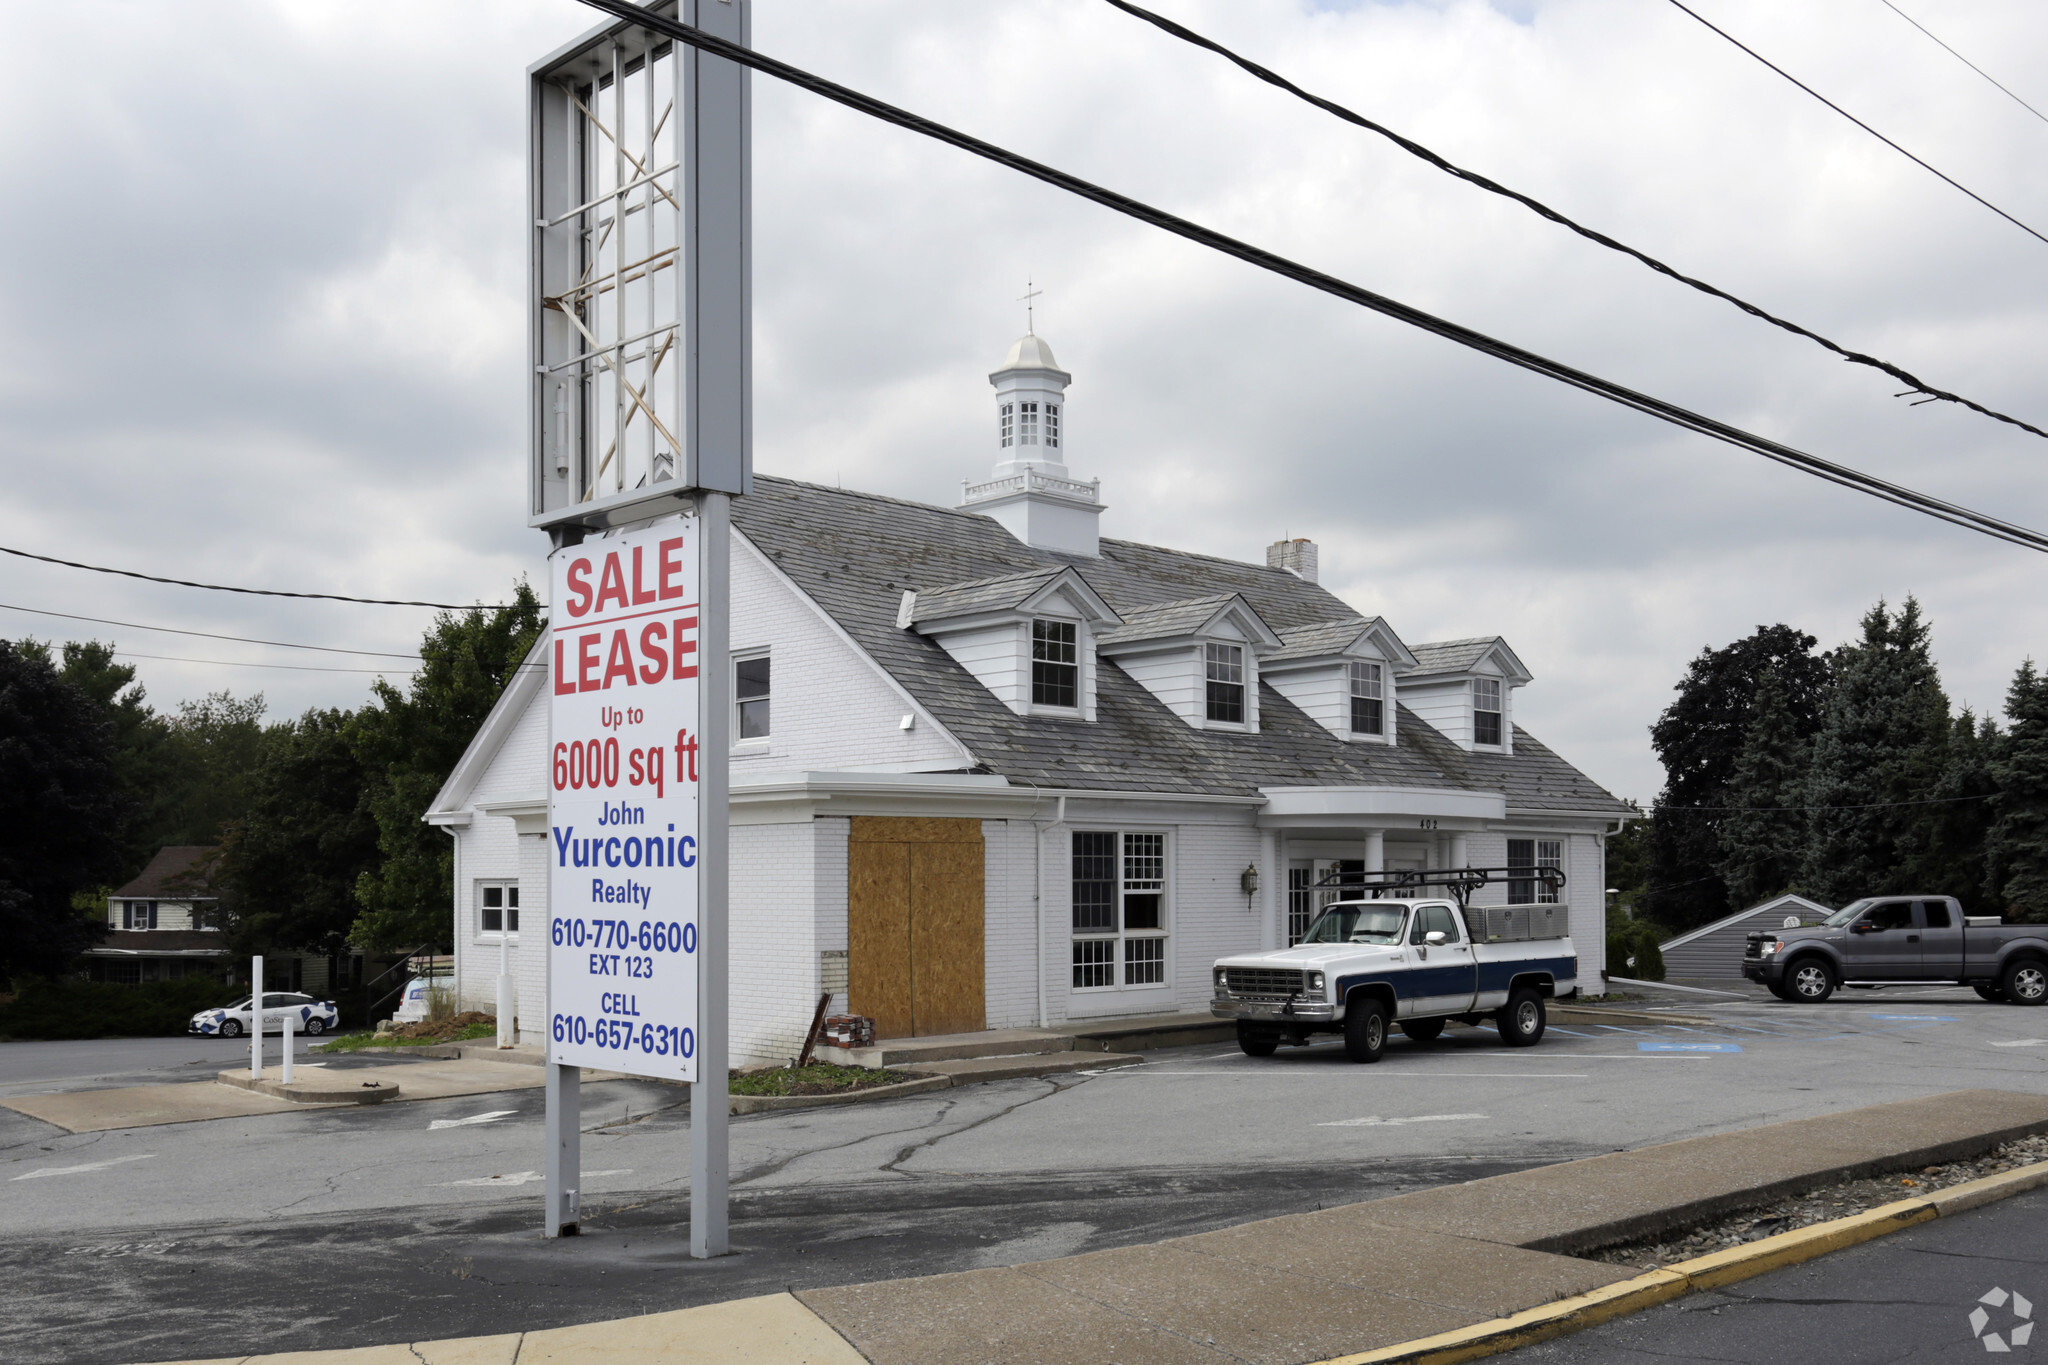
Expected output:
(1052, 425)
(1486, 711)
(1055, 664)
(1226, 682)
(1368, 699)
(1027, 424)
(1009, 419)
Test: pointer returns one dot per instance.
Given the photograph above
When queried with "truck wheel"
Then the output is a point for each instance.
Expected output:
(1521, 1021)
(1423, 1030)
(1256, 1043)
(1780, 989)
(1365, 1030)
(1811, 980)
(2025, 982)
(1987, 991)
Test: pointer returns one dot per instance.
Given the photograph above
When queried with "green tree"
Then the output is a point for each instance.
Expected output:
(1698, 738)
(1628, 860)
(60, 810)
(1946, 844)
(408, 742)
(289, 865)
(2017, 879)
(1882, 744)
(1763, 836)
(216, 747)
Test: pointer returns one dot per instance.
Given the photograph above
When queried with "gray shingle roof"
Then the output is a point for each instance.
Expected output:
(177, 872)
(986, 594)
(1450, 656)
(1165, 619)
(1313, 642)
(856, 553)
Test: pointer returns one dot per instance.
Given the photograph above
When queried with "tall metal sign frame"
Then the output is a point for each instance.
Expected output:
(641, 409)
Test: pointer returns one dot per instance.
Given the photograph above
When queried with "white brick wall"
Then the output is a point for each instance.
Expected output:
(1010, 923)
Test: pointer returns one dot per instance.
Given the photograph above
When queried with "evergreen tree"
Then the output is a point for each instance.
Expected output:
(1947, 841)
(2017, 880)
(1698, 739)
(1882, 744)
(1764, 836)
(408, 743)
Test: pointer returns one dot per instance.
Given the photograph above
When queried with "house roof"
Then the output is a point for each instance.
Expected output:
(177, 872)
(855, 554)
(1776, 907)
(1005, 592)
(1328, 638)
(1165, 620)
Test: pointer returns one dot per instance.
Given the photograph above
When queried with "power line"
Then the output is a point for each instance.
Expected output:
(204, 635)
(1414, 148)
(238, 663)
(1867, 805)
(255, 592)
(1964, 60)
(1866, 127)
(1329, 284)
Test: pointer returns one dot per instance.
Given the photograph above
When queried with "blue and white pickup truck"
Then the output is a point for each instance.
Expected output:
(1366, 965)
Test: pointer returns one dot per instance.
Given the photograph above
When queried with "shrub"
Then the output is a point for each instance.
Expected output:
(46, 1009)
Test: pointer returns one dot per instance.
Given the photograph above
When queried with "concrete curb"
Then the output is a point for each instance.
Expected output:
(765, 1104)
(1706, 1272)
(367, 1092)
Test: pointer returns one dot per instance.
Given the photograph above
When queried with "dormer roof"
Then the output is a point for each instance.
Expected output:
(1334, 639)
(1192, 617)
(1459, 657)
(1018, 593)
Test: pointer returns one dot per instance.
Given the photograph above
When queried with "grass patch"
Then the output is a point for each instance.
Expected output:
(819, 1078)
(467, 1027)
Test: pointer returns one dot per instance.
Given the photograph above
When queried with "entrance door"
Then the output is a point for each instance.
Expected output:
(914, 925)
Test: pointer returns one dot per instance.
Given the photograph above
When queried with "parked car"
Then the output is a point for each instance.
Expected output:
(1365, 965)
(415, 998)
(1893, 940)
(311, 1017)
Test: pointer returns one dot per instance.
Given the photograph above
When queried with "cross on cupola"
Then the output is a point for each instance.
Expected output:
(1029, 299)
(1033, 493)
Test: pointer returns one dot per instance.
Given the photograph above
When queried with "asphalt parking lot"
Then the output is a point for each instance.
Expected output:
(434, 1206)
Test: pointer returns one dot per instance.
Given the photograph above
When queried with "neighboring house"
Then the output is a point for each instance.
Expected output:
(1715, 952)
(159, 926)
(990, 769)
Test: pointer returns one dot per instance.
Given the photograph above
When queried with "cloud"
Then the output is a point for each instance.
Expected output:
(265, 320)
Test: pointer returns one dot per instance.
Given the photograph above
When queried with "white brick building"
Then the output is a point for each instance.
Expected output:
(996, 771)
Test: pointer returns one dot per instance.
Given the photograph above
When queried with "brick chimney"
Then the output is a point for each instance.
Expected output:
(1298, 557)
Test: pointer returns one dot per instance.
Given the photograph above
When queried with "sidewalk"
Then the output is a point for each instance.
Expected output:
(1301, 1288)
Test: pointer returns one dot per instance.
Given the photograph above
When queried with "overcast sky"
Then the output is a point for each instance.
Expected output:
(262, 324)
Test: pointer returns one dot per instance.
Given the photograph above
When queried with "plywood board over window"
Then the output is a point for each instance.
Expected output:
(914, 920)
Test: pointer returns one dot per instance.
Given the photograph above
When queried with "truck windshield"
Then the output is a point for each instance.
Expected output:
(1849, 912)
(1358, 924)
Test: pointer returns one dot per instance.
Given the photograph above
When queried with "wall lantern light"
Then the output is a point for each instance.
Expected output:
(1249, 879)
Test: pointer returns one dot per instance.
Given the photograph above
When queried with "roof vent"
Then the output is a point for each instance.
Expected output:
(1298, 557)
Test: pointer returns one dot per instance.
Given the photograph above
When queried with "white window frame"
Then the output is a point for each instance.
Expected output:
(1007, 415)
(750, 743)
(132, 910)
(1074, 663)
(1122, 936)
(1377, 682)
(1544, 852)
(1052, 426)
(1243, 684)
(1499, 709)
(1027, 423)
(508, 889)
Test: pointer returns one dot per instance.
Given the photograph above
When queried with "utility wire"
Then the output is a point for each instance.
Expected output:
(238, 663)
(204, 635)
(255, 592)
(1329, 284)
(1864, 126)
(1964, 60)
(1413, 148)
(1868, 805)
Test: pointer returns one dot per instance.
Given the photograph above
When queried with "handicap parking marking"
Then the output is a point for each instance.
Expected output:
(1689, 1047)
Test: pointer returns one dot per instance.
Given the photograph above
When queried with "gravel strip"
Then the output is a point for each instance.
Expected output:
(1819, 1206)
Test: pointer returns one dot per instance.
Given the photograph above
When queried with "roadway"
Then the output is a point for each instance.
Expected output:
(433, 1207)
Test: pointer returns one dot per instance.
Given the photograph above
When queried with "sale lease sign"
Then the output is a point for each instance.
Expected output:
(622, 802)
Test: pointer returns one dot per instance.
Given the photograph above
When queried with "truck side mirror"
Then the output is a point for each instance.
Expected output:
(1862, 926)
(1434, 938)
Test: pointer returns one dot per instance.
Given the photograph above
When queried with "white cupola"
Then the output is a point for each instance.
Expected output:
(1033, 494)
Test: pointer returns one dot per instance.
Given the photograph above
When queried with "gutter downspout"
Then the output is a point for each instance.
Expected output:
(1039, 828)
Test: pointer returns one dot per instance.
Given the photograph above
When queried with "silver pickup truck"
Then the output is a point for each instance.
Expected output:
(1367, 964)
(1894, 940)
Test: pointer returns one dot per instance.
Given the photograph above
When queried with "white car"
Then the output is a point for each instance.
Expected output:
(309, 1016)
(413, 1000)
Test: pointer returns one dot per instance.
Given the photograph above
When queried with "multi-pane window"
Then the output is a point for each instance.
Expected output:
(1300, 903)
(498, 908)
(138, 915)
(1368, 702)
(1008, 413)
(1027, 424)
(1052, 424)
(750, 697)
(1533, 853)
(1055, 669)
(1119, 909)
(1486, 711)
(1225, 676)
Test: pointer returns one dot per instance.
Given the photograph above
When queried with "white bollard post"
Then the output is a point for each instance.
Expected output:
(505, 1038)
(256, 1018)
(288, 1047)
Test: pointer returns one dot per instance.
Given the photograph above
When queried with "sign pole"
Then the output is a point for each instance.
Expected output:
(708, 1097)
(256, 1018)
